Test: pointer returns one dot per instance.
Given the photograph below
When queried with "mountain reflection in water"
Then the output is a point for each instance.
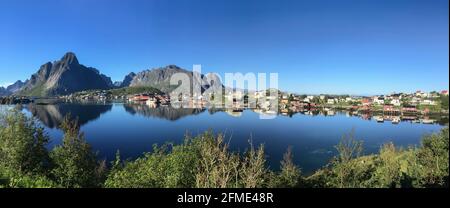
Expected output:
(53, 115)
(164, 112)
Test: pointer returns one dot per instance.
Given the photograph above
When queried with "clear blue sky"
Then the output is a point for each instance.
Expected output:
(316, 46)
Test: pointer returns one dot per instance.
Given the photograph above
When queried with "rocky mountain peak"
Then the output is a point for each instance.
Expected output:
(172, 66)
(127, 80)
(4, 92)
(70, 58)
(16, 86)
(64, 77)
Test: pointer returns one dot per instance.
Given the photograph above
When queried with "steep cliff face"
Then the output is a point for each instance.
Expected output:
(4, 92)
(17, 86)
(160, 78)
(127, 80)
(64, 77)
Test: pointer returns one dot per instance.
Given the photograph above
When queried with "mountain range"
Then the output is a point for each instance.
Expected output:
(4, 92)
(67, 76)
(11, 89)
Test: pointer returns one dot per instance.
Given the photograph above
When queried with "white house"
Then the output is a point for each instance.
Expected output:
(415, 100)
(330, 101)
(428, 102)
(422, 94)
(396, 102)
(378, 100)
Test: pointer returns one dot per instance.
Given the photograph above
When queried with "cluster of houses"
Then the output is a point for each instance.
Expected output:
(393, 103)
(151, 99)
(98, 95)
(104, 95)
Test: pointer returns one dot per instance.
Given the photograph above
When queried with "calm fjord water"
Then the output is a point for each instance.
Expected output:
(133, 129)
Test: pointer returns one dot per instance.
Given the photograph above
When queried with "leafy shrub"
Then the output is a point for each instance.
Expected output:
(22, 145)
(75, 164)
(433, 156)
(204, 162)
(290, 175)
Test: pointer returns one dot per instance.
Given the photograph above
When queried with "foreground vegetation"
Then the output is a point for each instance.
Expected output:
(205, 161)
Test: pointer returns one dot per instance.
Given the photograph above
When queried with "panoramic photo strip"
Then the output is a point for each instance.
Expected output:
(195, 97)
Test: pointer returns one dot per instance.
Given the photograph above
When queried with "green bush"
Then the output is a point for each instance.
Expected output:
(433, 157)
(426, 166)
(75, 164)
(217, 167)
(203, 162)
(160, 169)
(22, 145)
(26, 181)
(290, 175)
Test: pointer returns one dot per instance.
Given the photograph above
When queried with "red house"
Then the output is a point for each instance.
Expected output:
(142, 97)
(366, 101)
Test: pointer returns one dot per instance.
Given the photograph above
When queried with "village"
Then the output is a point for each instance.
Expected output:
(395, 107)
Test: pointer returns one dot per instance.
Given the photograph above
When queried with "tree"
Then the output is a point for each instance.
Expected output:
(217, 167)
(290, 175)
(22, 145)
(433, 156)
(348, 149)
(254, 167)
(291, 97)
(389, 173)
(75, 162)
(444, 102)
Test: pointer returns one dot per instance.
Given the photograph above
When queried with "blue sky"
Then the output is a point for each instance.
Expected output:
(320, 46)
